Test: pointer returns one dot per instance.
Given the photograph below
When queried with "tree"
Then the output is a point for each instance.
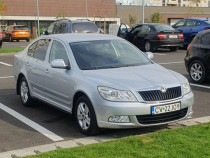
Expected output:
(3, 7)
(132, 19)
(194, 10)
(157, 18)
(61, 15)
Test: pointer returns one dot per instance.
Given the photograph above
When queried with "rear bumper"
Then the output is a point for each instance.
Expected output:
(168, 43)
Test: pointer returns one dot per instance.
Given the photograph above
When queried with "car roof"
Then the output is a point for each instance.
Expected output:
(73, 21)
(78, 37)
(202, 19)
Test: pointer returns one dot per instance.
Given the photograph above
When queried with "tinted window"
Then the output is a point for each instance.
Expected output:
(190, 23)
(136, 30)
(84, 27)
(57, 28)
(107, 54)
(206, 39)
(58, 51)
(145, 29)
(20, 28)
(161, 27)
(38, 50)
(180, 24)
(63, 28)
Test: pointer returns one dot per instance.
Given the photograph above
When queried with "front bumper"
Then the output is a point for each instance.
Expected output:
(106, 109)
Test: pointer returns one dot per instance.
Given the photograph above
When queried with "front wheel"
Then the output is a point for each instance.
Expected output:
(148, 46)
(197, 71)
(25, 96)
(85, 116)
(10, 38)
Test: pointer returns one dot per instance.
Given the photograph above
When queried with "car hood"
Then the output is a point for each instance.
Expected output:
(136, 77)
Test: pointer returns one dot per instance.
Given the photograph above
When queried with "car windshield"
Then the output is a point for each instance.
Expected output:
(103, 54)
(159, 28)
(84, 27)
(20, 28)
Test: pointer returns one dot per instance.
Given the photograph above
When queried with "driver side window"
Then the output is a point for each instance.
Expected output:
(180, 24)
(136, 30)
(58, 51)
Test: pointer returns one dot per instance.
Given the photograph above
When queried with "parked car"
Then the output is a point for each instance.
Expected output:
(1, 38)
(103, 80)
(197, 59)
(153, 36)
(190, 27)
(68, 26)
(16, 32)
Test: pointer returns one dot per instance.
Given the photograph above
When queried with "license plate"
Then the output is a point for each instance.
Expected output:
(165, 108)
(21, 32)
(172, 36)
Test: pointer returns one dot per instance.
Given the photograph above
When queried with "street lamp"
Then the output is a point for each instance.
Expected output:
(37, 5)
(87, 8)
(142, 11)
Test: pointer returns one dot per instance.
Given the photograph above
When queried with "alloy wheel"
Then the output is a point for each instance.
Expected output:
(24, 92)
(147, 46)
(196, 71)
(83, 116)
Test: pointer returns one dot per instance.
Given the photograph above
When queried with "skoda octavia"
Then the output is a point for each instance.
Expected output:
(103, 80)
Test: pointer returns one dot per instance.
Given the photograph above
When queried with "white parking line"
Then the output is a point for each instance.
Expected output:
(6, 77)
(201, 86)
(31, 123)
(5, 64)
(159, 54)
(178, 62)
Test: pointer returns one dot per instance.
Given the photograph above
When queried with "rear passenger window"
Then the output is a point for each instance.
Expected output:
(38, 50)
(206, 39)
(63, 28)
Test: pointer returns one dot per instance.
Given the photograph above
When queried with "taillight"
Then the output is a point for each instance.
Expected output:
(206, 28)
(14, 31)
(0, 34)
(161, 36)
(189, 46)
(181, 36)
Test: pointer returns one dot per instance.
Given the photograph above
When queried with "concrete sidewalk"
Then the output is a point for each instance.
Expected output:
(88, 140)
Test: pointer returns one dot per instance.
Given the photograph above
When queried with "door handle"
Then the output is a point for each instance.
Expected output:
(46, 70)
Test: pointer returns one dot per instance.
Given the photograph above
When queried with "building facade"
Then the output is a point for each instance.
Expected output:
(24, 12)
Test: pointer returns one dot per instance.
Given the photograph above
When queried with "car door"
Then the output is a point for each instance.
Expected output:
(130, 36)
(58, 82)
(122, 31)
(205, 46)
(34, 63)
(142, 36)
(190, 30)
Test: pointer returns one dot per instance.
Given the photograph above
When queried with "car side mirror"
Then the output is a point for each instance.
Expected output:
(59, 64)
(150, 55)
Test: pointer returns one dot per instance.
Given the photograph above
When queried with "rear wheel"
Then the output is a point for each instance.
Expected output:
(17, 40)
(1, 44)
(197, 71)
(148, 46)
(85, 116)
(173, 49)
(27, 40)
(25, 96)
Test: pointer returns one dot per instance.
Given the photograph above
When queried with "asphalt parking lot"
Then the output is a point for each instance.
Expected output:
(54, 125)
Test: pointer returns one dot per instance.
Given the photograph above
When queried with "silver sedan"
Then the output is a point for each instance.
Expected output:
(103, 80)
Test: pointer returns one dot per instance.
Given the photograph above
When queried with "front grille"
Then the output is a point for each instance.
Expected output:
(161, 118)
(157, 95)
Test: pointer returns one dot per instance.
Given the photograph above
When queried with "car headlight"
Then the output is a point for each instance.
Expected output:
(185, 88)
(116, 95)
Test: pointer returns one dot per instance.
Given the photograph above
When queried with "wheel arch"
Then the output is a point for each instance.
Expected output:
(18, 80)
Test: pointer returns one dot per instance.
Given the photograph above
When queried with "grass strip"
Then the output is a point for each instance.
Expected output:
(10, 50)
(186, 142)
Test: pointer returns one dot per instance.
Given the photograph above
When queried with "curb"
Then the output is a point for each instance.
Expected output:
(7, 54)
(88, 140)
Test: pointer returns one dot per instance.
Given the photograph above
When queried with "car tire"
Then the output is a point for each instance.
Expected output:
(27, 40)
(17, 40)
(85, 116)
(173, 49)
(1, 44)
(24, 92)
(148, 46)
(197, 71)
(10, 38)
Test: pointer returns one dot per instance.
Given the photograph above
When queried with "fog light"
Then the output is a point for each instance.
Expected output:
(121, 119)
